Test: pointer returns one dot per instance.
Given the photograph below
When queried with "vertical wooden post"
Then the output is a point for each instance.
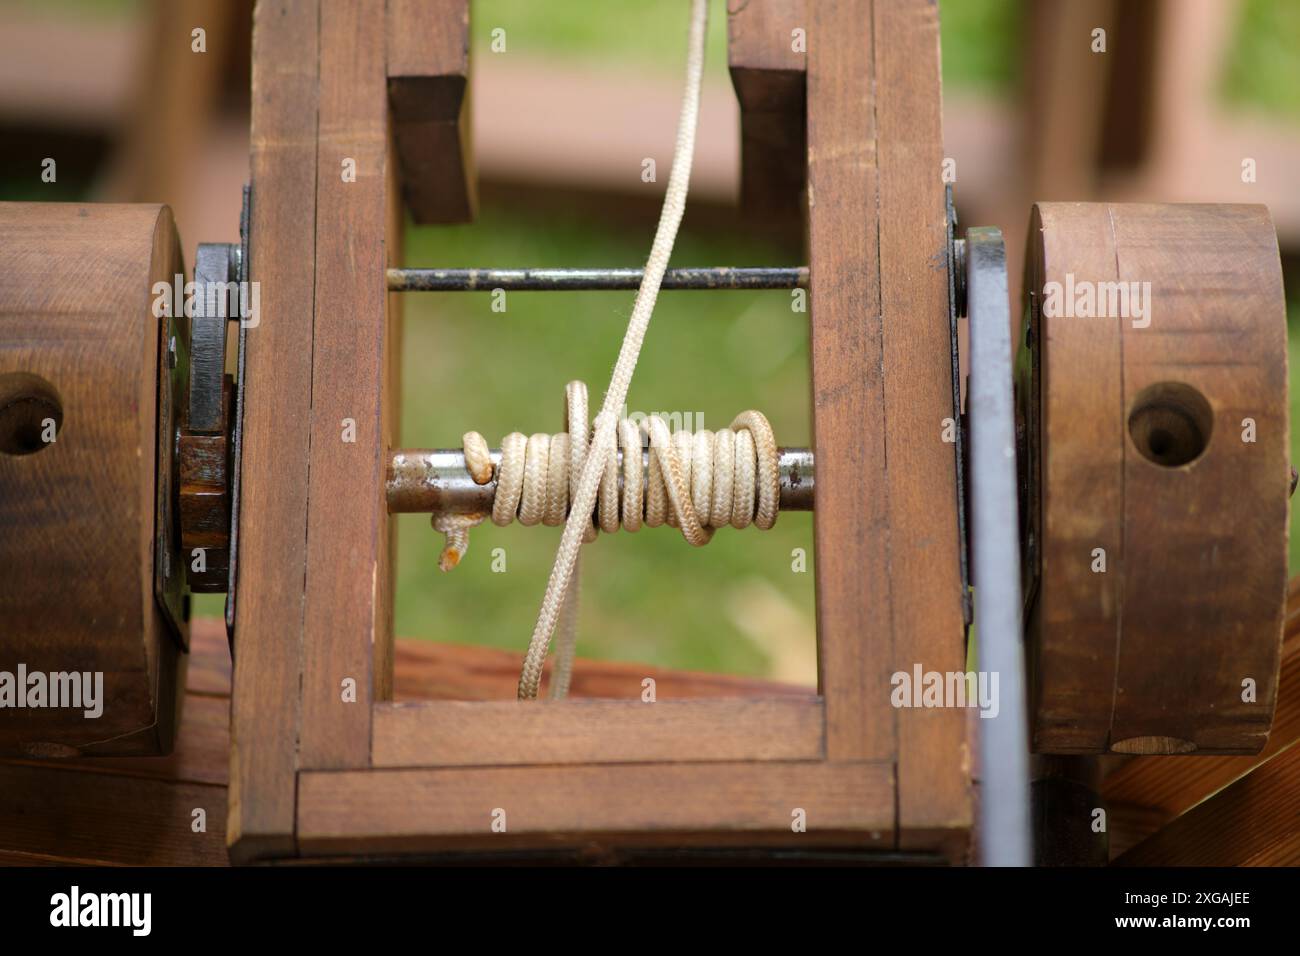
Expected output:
(924, 562)
(889, 584)
(851, 523)
(278, 369)
(348, 579)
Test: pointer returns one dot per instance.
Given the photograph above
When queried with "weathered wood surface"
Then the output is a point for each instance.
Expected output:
(889, 590)
(575, 731)
(1143, 794)
(675, 805)
(348, 616)
(138, 810)
(1255, 821)
(80, 346)
(1164, 444)
(766, 54)
(277, 417)
(132, 811)
(428, 97)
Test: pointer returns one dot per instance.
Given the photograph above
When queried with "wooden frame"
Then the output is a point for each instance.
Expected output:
(316, 773)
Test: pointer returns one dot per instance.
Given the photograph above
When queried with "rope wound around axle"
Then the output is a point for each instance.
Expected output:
(697, 482)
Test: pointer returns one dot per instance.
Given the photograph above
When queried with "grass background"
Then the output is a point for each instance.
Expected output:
(735, 605)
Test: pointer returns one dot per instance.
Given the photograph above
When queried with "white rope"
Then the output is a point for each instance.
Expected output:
(575, 528)
(544, 470)
(695, 482)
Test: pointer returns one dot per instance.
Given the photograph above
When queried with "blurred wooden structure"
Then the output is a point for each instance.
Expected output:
(1066, 136)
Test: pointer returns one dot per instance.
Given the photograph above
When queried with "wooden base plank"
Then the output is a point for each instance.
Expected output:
(413, 811)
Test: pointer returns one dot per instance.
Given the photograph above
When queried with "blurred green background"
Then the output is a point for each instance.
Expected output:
(735, 606)
(732, 606)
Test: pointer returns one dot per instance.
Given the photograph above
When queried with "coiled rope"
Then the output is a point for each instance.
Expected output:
(696, 482)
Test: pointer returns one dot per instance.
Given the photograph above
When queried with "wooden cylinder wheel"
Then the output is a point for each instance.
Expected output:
(1153, 411)
(90, 658)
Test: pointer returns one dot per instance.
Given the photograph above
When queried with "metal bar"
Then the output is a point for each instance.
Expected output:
(435, 481)
(995, 556)
(608, 280)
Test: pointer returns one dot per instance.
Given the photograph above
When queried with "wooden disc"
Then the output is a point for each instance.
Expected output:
(80, 347)
(1153, 393)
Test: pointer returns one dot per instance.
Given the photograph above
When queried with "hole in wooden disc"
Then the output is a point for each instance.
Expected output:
(1170, 423)
(31, 413)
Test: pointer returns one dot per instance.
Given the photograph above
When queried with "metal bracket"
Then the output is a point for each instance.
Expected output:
(169, 566)
(237, 431)
(957, 308)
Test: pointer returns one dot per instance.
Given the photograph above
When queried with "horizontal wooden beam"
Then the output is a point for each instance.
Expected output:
(414, 811)
(492, 733)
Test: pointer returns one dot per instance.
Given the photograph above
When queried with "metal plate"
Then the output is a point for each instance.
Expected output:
(237, 430)
(1004, 829)
(169, 567)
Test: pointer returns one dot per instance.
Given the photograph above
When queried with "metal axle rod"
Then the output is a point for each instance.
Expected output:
(573, 280)
(436, 481)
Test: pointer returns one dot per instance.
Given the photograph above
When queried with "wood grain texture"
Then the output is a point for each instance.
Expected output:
(678, 804)
(1145, 793)
(888, 572)
(274, 484)
(104, 828)
(851, 524)
(124, 811)
(428, 97)
(201, 754)
(1253, 822)
(1191, 604)
(934, 791)
(347, 621)
(77, 333)
(500, 733)
(770, 78)
(100, 818)
(1205, 545)
(1072, 625)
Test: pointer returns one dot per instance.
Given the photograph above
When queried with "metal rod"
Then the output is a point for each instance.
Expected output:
(435, 481)
(571, 280)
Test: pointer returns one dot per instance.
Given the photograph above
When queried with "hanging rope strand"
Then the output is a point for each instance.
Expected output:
(660, 251)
